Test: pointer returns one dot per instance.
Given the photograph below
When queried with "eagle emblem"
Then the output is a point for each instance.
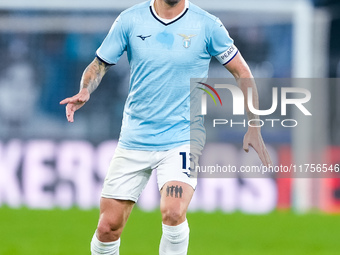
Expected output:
(186, 40)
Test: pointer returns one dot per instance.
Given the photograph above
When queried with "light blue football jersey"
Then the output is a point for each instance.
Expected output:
(163, 57)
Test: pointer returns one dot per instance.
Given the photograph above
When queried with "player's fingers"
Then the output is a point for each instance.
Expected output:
(65, 101)
(245, 145)
(268, 159)
(70, 117)
(70, 113)
(74, 100)
(260, 150)
(263, 157)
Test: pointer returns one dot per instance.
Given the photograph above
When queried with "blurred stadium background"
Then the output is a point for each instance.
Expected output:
(51, 171)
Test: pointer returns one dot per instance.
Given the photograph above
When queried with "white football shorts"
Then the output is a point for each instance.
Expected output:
(130, 170)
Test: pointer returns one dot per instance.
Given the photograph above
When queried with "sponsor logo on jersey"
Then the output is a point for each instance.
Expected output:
(186, 40)
(143, 37)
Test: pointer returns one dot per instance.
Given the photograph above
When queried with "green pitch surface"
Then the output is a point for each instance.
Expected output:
(27, 232)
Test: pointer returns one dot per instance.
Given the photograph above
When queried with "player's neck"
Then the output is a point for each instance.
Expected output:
(167, 11)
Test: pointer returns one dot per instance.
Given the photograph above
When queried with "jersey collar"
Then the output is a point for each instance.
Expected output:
(167, 22)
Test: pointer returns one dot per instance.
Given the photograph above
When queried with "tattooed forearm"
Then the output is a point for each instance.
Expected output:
(254, 119)
(174, 191)
(93, 75)
(245, 84)
(252, 116)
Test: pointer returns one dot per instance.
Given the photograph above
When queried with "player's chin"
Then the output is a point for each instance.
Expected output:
(172, 2)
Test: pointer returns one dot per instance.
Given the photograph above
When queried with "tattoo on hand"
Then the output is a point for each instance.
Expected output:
(174, 191)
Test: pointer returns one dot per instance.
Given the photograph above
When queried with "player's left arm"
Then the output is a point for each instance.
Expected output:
(240, 70)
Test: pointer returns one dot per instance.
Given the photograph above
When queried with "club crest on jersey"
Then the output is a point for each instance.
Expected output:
(186, 40)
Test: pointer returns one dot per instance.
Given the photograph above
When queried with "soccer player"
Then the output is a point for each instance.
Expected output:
(167, 43)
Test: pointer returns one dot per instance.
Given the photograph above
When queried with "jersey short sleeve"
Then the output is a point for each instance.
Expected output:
(220, 44)
(114, 44)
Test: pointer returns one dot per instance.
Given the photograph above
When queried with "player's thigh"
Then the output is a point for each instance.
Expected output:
(178, 165)
(175, 199)
(128, 174)
(113, 217)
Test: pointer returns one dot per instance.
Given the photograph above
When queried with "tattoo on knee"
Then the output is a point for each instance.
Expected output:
(174, 191)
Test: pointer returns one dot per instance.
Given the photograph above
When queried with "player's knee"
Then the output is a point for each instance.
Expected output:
(173, 216)
(109, 230)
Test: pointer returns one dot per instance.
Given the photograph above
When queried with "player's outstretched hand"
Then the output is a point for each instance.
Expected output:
(254, 139)
(75, 103)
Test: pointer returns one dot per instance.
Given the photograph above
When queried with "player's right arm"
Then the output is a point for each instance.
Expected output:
(90, 80)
